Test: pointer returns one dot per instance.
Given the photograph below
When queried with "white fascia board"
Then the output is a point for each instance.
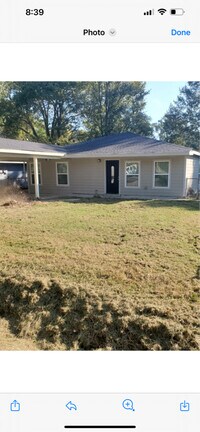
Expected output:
(60, 155)
(11, 162)
(116, 156)
(32, 154)
(194, 153)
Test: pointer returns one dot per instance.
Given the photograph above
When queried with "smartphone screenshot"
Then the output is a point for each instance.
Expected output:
(99, 216)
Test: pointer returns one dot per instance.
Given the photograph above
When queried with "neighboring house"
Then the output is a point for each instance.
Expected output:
(121, 165)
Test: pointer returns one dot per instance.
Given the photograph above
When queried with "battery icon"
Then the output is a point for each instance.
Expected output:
(177, 11)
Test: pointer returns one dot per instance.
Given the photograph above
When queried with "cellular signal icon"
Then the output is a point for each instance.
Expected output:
(150, 12)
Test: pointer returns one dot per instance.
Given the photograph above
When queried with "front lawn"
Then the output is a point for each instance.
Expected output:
(100, 274)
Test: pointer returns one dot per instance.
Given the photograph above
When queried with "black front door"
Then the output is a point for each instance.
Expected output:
(112, 177)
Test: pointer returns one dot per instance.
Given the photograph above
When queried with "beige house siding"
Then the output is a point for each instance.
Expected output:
(85, 178)
(88, 177)
(176, 178)
(192, 173)
(192, 166)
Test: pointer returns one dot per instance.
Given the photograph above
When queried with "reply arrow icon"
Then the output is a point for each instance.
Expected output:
(70, 406)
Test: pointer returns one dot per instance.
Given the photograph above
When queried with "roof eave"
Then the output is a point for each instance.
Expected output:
(30, 154)
(138, 155)
(194, 153)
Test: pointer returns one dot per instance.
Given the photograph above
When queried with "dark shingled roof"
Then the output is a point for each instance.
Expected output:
(116, 145)
(125, 144)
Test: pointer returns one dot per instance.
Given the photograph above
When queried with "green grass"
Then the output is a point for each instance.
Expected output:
(140, 257)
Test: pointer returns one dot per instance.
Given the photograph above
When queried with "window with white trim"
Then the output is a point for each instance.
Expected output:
(132, 174)
(33, 175)
(62, 173)
(161, 174)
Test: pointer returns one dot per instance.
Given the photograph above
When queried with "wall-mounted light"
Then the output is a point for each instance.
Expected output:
(99, 160)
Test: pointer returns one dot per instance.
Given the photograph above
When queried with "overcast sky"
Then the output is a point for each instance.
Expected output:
(161, 95)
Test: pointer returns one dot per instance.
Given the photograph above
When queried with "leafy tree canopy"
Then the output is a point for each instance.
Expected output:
(39, 111)
(111, 107)
(61, 112)
(65, 112)
(181, 123)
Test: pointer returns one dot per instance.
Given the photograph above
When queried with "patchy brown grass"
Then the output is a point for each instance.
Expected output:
(13, 195)
(101, 275)
(9, 342)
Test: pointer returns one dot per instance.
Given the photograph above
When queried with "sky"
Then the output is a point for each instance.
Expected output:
(161, 95)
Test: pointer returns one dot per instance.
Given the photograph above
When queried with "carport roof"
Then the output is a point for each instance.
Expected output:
(116, 145)
(29, 148)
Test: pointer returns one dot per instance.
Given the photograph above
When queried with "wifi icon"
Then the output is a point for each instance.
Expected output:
(162, 11)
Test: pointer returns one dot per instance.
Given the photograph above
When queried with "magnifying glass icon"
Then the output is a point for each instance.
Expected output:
(128, 404)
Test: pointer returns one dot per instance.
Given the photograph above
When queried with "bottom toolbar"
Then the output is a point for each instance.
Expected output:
(123, 412)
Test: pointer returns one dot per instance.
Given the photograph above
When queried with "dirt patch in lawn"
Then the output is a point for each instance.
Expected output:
(59, 317)
(13, 195)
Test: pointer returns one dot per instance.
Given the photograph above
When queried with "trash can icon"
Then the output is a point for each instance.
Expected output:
(15, 406)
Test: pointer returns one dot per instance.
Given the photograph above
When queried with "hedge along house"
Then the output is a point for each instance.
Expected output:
(121, 165)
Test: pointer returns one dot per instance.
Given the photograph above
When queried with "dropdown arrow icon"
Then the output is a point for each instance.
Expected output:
(112, 32)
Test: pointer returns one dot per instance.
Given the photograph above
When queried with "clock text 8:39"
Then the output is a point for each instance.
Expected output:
(36, 12)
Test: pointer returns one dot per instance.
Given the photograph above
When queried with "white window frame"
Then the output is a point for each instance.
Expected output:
(39, 170)
(132, 187)
(169, 174)
(57, 174)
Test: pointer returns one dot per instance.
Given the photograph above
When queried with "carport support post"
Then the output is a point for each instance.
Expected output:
(36, 177)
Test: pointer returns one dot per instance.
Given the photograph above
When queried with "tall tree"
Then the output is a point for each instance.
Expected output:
(109, 107)
(181, 123)
(63, 112)
(40, 111)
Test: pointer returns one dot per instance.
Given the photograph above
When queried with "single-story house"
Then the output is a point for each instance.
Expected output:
(120, 165)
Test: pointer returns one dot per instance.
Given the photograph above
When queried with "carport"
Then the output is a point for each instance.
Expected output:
(14, 151)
